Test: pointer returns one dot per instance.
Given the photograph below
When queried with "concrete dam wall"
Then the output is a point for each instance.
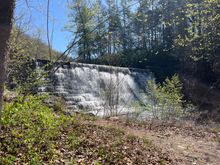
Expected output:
(98, 89)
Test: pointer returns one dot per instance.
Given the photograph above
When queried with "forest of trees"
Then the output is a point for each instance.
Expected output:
(178, 36)
(45, 112)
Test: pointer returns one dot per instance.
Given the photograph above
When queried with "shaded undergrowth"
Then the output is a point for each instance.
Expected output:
(32, 133)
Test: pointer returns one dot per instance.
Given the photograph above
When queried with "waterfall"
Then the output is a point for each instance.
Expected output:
(101, 90)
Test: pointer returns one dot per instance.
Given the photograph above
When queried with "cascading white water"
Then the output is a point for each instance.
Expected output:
(101, 90)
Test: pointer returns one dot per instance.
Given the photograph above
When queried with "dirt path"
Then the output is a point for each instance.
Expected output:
(186, 149)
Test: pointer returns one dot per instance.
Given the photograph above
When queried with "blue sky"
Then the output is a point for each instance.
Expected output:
(36, 13)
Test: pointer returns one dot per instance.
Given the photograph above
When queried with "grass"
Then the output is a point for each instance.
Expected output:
(32, 133)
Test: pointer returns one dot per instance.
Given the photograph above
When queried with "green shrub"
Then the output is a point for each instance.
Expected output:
(32, 128)
(166, 99)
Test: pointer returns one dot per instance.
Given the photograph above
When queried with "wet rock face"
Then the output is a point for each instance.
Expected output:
(102, 90)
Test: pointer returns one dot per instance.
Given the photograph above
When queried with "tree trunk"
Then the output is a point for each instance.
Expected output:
(6, 15)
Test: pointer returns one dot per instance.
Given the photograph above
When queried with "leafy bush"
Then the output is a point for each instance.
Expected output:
(166, 99)
(32, 128)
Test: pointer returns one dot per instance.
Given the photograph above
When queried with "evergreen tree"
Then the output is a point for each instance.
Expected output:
(82, 24)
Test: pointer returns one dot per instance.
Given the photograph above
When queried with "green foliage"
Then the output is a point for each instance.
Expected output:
(201, 37)
(22, 73)
(32, 133)
(166, 99)
(9, 160)
(164, 35)
(33, 128)
(82, 23)
(73, 141)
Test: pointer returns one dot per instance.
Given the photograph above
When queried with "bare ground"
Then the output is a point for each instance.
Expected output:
(186, 144)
